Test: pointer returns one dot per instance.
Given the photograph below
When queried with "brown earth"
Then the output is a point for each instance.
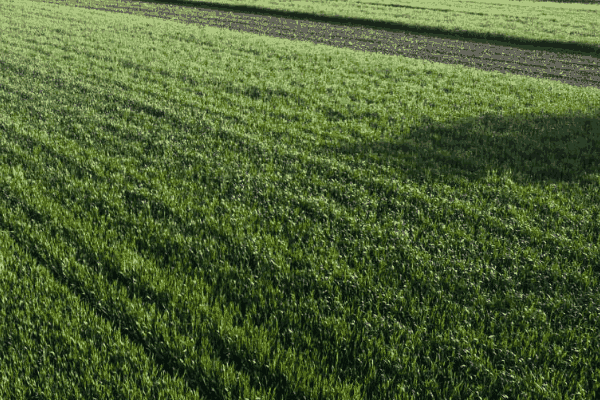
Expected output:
(575, 69)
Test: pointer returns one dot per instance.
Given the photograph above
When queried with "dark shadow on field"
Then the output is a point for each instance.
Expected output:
(432, 31)
(536, 148)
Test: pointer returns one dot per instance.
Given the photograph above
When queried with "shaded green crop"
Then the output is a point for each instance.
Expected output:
(189, 212)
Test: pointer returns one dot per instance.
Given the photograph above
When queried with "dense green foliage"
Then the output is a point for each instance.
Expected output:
(528, 21)
(188, 212)
(531, 23)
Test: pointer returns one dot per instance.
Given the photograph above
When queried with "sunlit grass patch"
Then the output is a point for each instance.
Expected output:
(190, 212)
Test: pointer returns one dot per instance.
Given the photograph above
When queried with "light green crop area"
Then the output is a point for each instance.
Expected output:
(188, 212)
(567, 23)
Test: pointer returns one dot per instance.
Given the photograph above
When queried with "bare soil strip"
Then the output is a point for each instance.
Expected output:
(574, 69)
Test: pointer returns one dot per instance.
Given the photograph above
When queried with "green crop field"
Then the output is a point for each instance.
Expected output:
(188, 212)
(527, 20)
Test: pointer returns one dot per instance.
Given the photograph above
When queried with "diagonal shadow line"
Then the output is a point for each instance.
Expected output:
(572, 69)
(541, 148)
(431, 31)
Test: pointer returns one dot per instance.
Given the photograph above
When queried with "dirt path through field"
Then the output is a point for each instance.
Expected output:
(573, 69)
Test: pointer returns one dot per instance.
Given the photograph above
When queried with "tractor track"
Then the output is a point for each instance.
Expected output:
(575, 69)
